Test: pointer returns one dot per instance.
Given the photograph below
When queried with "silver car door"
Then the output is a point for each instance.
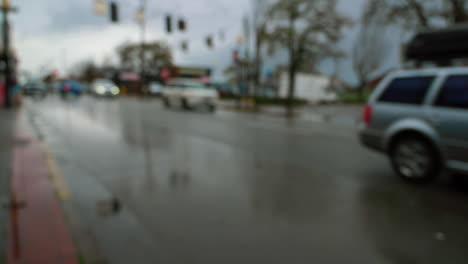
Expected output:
(449, 115)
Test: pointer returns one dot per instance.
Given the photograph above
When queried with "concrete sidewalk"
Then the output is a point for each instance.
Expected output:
(7, 122)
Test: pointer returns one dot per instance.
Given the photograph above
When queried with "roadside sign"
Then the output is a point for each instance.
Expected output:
(100, 7)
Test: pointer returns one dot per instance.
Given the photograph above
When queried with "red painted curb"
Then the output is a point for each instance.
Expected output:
(38, 231)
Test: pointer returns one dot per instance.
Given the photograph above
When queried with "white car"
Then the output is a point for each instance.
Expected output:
(103, 87)
(189, 94)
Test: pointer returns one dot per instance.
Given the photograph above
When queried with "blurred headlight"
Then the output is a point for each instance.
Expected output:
(115, 91)
(101, 90)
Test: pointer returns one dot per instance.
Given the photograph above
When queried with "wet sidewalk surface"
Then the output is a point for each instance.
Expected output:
(7, 121)
(38, 230)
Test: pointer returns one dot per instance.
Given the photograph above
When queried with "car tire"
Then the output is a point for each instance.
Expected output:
(185, 104)
(460, 181)
(212, 108)
(415, 160)
(167, 103)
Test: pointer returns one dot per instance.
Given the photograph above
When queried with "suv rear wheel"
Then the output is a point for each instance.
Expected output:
(414, 159)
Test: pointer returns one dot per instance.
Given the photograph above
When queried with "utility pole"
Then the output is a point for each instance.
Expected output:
(64, 63)
(6, 8)
(260, 19)
(142, 19)
(238, 67)
(247, 67)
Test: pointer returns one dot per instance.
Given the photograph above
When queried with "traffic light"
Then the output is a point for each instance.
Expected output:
(209, 42)
(182, 25)
(114, 12)
(185, 45)
(6, 4)
(169, 24)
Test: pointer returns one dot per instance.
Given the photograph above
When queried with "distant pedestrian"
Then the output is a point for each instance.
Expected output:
(17, 94)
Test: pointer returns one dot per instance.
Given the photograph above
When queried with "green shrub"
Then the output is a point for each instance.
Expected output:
(354, 98)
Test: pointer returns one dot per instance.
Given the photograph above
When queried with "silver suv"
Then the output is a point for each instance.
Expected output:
(419, 118)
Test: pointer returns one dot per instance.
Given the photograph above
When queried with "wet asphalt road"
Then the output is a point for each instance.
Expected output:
(240, 188)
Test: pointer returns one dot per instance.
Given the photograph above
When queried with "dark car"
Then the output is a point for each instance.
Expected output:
(224, 89)
(70, 88)
(35, 89)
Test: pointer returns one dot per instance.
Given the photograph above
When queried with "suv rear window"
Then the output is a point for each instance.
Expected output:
(454, 92)
(408, 90)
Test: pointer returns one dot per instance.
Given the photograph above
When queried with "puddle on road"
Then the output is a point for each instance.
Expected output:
(110, 207)
(179, 180)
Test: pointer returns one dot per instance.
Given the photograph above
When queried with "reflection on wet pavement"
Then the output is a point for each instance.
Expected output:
(231, 188)
(109, 207)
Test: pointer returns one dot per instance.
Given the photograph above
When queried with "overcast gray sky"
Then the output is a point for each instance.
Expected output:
(55, 34)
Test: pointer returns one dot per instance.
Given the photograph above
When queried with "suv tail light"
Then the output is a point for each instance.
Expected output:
(367, 117)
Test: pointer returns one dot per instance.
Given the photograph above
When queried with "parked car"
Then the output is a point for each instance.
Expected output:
(225, 89)
(266, 93)
(155, 88)
(419, 118)
(189, 94)
(36, 89)
(104, 87)
(70, 88)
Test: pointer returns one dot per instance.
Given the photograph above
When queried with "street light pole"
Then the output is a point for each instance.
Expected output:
(6, 8)
(143, 40)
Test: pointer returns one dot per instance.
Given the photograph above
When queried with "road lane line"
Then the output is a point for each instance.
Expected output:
(56, 175)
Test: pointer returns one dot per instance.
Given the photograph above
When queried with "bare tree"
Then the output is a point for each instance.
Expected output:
(308, 29)
(370, 51)
(157, 55)
(419, 13)
(87, 71)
